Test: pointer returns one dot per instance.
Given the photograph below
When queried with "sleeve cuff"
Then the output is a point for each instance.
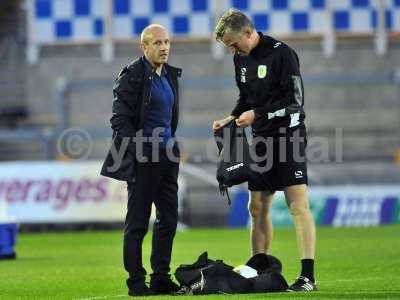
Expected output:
(259, 112)
(235, 113)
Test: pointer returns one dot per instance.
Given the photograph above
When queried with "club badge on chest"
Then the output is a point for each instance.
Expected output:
(262, 71)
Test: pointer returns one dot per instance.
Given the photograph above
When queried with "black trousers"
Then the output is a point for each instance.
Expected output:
(155, 182)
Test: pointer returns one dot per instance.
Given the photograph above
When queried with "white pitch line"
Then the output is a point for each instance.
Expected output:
(357, 279)
(337, 280)
(103, 297)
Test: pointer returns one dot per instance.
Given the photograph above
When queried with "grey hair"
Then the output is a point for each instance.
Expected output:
(232, 20)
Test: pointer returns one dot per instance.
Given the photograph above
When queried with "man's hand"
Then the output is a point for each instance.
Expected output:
(246, 119)
(221, 123)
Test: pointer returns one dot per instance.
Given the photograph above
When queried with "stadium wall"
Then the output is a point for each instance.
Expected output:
(370, 106)
(355, 88)
(55, 192)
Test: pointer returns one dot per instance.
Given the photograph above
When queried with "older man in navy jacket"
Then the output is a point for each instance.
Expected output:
(146, 104)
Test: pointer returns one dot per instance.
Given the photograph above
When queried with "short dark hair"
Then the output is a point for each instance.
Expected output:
(232, 20)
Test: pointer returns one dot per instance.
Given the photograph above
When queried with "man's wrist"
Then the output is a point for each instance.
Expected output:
(257, 113)
(228, 119)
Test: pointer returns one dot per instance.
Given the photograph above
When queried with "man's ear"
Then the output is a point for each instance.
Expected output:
(247, 32)
(143, 46)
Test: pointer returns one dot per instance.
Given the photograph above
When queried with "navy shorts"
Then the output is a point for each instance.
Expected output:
(280, 160)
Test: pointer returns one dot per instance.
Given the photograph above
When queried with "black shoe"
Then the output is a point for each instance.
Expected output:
(163, 286)
(139, 288)
(303, 284)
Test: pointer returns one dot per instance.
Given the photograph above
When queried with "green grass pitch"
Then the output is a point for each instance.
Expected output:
(352, 263)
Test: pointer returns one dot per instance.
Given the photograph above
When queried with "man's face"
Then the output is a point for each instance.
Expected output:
(156, 47)
(238, 42)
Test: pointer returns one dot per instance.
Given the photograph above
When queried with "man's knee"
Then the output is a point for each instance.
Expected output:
(167, 221)
(171, 225)
(136, 224)
(297, 200)
(299, 207)
(136, 232)
(260, 204)
(254, 209)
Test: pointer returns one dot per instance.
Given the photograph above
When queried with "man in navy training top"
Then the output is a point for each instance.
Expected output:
(271, 100)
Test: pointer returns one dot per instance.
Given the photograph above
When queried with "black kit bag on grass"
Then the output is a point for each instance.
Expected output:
(269, 269)
(234, 166)
(207, 276)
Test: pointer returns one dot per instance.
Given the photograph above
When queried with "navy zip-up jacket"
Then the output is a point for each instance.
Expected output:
(132, 94)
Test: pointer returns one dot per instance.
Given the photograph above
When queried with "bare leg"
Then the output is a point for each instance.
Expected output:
(297, 201)
(261, 231)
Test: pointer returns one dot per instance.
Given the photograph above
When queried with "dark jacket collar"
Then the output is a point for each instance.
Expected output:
(148, 66)
(264, 47)
(166, 68)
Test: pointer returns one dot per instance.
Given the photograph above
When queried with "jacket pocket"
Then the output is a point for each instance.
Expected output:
(120, 165)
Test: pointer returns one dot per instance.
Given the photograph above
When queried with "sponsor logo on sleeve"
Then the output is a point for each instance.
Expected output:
(243, 75)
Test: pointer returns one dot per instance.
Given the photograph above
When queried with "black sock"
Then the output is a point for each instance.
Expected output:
(307, 268)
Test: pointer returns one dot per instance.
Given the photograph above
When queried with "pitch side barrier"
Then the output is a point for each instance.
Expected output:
(74, 193)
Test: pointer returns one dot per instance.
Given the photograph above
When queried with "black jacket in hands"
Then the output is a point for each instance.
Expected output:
(132, 92)
(269, 82)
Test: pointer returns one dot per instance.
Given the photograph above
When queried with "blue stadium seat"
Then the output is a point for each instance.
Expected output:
(76, 20)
